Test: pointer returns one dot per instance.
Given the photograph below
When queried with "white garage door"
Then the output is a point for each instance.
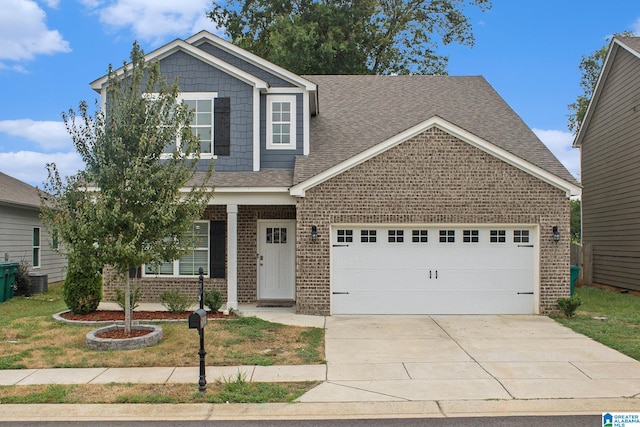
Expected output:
(433, 269)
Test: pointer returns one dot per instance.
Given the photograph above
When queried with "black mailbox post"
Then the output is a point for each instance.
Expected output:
(198, 320)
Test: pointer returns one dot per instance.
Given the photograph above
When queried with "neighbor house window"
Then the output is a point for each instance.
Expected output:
(281, 122)
(189, 264)
(35, 257)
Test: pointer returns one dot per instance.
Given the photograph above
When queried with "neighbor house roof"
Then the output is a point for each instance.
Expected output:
(631, 45)
(359, 112)
(18, 193)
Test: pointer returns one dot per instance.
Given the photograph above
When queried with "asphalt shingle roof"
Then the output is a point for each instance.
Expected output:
(16, 192)
(359, 112)
(631, 42)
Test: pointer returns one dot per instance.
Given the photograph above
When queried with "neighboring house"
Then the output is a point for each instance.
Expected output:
(22, 235)
(366, 194)
(609, 142)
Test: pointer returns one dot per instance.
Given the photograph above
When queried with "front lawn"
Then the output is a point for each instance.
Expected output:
(31, 338)
(610, 318)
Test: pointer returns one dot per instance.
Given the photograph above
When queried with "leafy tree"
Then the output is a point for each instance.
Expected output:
(348, 36)
(590, 67)
(576, 221)
(126, 209)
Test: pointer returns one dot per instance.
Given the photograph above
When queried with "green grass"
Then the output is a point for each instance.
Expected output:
(621, 330)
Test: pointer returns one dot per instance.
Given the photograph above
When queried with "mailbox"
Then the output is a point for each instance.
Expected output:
(198, 319)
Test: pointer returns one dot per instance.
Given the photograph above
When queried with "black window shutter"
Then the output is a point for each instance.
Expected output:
(222, 127)
(135, 273)
(218, 249)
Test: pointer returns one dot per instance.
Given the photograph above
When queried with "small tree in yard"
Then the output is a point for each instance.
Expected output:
(126, 209)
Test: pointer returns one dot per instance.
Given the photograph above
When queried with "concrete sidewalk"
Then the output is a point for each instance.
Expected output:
(392, 366)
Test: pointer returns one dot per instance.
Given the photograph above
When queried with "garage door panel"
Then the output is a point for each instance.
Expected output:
(391, 275)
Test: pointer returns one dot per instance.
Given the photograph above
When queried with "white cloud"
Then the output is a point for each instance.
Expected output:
(52, 3)
(30, 166)
(49, 135)
(560, 144)
(154, 21)
(24, 33)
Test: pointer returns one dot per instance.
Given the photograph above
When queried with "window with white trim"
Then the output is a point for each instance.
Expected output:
(35, 254)
(281, 122)
(202, 105)
(447, 236)
(520, 236)
(345, 236)
(396, 236)
(368, 236)
(420, 236)
(189, 264)
(498, 236)
(470, 236)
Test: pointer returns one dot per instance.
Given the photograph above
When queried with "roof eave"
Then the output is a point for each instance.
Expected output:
(178, 45)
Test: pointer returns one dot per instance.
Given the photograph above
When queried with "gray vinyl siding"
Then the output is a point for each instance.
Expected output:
(229, 58)
(280, 159)
(611, 177)
(16, 234)
(196, 76)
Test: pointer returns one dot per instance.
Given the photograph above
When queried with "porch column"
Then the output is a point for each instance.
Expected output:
(232, 257)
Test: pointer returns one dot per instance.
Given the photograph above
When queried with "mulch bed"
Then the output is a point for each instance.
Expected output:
(118, 315)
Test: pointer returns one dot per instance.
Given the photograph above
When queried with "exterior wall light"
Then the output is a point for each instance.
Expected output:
(314, 233)
(556, 234)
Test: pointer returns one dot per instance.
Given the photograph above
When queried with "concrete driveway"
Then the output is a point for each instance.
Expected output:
(433, 358)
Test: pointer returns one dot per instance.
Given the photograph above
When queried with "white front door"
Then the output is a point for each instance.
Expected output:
(276, 259)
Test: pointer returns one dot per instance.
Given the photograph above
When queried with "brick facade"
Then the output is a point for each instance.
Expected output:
(248, 216)
(433, 178)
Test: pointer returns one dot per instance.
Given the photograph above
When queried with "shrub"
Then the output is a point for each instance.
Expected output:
(213, 300)
(175, 301)
(134, 298)
(82, 291)
(569, 305)
(23, 282)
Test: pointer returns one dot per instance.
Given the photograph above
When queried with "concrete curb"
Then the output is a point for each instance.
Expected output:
(312, 411)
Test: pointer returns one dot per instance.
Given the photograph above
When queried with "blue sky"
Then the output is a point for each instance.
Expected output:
(51, 49)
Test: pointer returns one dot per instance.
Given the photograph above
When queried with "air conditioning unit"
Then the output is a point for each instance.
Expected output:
(39, 283)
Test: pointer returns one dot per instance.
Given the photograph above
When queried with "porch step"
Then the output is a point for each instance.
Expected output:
(276, 303)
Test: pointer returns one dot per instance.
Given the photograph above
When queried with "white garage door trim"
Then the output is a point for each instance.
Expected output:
(466, 270)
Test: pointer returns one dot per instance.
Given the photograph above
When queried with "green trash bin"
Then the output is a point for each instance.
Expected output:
(8, 273)
(575, 272)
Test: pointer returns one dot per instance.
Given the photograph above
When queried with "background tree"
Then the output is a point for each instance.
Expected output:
(349, 36)
(126, 209)
(576, 221)
(590, 67)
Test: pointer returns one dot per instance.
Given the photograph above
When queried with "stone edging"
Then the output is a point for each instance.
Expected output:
(58, 317)
(147, 340)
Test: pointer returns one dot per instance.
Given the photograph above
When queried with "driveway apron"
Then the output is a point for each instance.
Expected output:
(425, 358)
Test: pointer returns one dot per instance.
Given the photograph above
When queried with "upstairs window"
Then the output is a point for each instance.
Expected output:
(210, 123)
(281, 122)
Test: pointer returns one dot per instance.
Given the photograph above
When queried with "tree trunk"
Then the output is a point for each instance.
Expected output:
(127, 305)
